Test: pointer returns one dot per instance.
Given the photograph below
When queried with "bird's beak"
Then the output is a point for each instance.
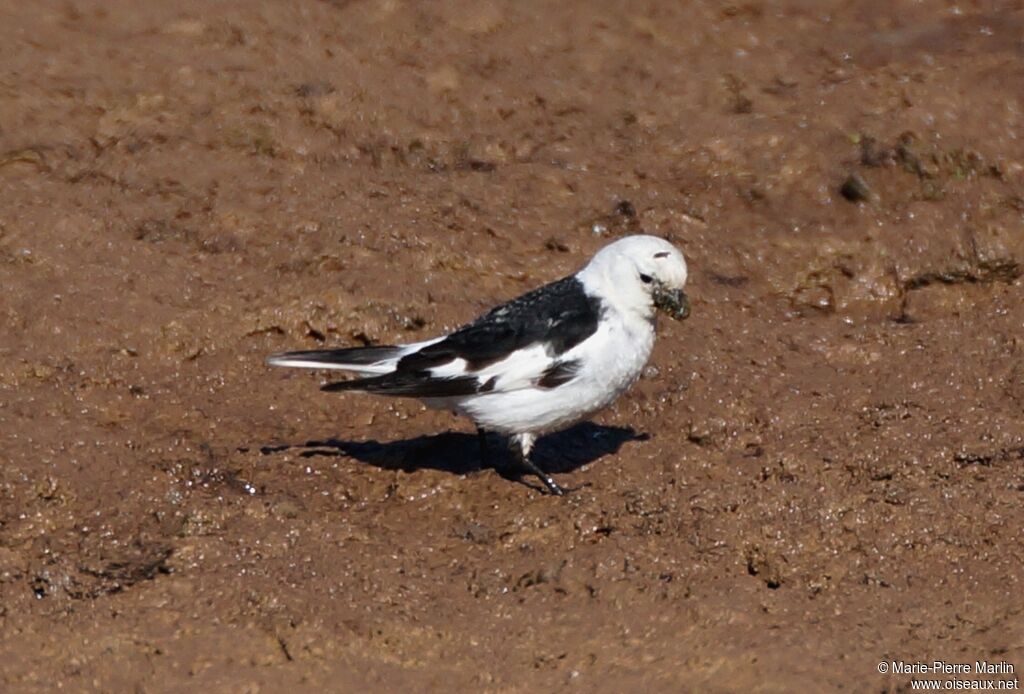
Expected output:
(673, 302)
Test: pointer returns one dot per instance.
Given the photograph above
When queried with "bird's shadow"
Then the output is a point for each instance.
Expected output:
(460, 453)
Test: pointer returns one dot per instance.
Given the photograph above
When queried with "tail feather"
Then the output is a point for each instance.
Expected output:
(361, 359)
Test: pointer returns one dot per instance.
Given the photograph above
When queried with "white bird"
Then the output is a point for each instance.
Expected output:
(536, 364)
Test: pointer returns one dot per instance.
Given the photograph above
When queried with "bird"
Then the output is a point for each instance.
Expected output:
(538, 363)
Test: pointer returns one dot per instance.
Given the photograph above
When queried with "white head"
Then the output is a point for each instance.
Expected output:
(639, 274)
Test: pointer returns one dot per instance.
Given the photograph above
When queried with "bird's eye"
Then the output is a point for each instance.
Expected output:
(646, 279)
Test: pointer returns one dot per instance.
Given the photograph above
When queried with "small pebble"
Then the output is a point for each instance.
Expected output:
(855, 188)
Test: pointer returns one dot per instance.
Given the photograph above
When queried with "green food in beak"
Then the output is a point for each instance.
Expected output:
(673, 302)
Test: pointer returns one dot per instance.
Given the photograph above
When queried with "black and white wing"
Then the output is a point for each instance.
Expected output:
(519, 344)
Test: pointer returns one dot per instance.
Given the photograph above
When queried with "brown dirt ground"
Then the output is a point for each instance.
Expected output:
(823, 469)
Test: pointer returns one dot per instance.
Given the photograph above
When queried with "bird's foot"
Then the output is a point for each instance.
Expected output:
(549, 482)
(552, 486)
(520, 446)
(517, 474)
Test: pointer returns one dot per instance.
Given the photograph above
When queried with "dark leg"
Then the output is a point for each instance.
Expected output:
(481, 435)
(521, 445)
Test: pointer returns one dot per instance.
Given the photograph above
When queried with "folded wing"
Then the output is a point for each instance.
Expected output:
(520, 344)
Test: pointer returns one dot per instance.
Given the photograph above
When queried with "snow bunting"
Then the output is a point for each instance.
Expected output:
(538, 363)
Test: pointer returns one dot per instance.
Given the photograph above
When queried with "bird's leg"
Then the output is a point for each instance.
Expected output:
(521, 446)
(481, 435)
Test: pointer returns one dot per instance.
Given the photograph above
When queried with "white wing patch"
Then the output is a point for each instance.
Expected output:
(520, 369)
(452, 369)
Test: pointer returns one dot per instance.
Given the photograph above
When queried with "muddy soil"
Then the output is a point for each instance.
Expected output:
(823, 468)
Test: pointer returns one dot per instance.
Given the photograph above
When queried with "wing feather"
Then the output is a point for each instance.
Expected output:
(558, 316)
(517, 345)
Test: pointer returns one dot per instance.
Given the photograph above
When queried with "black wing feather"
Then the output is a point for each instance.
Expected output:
(560, 314)
(559, 373)
(415, 385)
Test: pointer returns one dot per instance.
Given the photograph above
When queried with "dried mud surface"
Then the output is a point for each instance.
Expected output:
(824, 467)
